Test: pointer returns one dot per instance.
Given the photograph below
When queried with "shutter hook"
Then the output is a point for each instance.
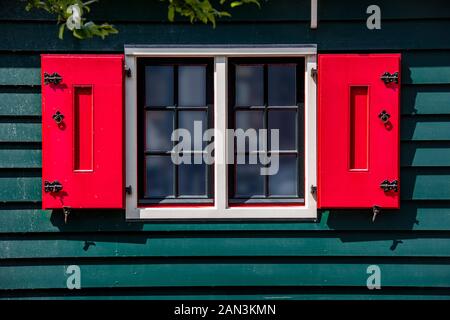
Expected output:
(376, 210)
(67, 211)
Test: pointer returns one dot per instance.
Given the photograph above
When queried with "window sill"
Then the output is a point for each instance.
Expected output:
(214, 213)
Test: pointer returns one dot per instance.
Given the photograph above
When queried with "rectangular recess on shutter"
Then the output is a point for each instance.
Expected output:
(359, 127)
(358, 148)
(82, 131)
(83, 118)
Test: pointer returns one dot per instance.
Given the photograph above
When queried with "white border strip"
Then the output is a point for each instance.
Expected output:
(220, 210)
(313, 14)
(212, 51)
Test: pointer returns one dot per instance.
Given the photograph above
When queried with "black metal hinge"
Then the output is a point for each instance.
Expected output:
(128, 190)
(127, 71)
(389, 186)
(54, 186)
(53, 78)
(389, 78)
(314, 73)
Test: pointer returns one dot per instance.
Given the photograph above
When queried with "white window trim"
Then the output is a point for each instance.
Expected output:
(220, 209)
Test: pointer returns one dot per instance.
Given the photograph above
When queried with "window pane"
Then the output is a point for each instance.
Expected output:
(249, 85)
(284, 183)
(249, 181)
(282, 91)
(246, 120)
(159, 176)
(192, 86)
(159, 86)
(285, 122)
(192, 179)
(159, 130)
(196, 123)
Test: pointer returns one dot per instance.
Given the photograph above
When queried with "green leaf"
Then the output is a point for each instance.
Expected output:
(62, 27)
(78, 33)
(171, 13)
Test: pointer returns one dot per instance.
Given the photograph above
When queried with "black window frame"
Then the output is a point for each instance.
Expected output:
(300, 127)
(142, 63)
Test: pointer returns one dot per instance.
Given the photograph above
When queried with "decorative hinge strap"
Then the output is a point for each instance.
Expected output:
(53, 78)
(389, 78)
(54, 186)
(389, 186)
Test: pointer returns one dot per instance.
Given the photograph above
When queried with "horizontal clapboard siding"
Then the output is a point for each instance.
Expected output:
(394, 35)
(414, 215)
(226, 272)
(251, 244)
(323, 259)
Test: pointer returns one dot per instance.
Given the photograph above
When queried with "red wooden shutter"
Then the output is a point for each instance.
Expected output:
(358, 130)
(82, 131)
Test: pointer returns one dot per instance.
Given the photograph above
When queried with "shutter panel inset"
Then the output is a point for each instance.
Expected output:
(358, 130)
(82, 131)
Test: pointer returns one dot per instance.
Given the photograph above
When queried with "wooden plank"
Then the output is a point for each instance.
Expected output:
(219, 293)
(261, 244)
(19, 68)
(226, 272)
(22, 188)
(414, 216)
(20, 76)
(338, 36)
(400, 9)
(20, 104)
(425, 128)
(425, 183)
(15, 130)
(19, 158)
(19, 60)
(425, 154)
(143, 10)
(426, 68)
(425, 99)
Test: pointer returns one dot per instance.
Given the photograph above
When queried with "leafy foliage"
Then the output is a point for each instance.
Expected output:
(202, 10)
(64, 10)
(70, 14)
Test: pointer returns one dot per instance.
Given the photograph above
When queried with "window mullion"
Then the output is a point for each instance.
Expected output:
(220, 137)
(266, 126)
(175, 127)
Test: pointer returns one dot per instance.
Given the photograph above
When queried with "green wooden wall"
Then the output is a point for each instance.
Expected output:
(326, 259)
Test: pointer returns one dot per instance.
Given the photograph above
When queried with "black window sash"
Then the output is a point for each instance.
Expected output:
(300, 128)
(143, 108)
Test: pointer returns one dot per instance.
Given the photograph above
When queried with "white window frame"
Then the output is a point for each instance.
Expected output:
(220, 208)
